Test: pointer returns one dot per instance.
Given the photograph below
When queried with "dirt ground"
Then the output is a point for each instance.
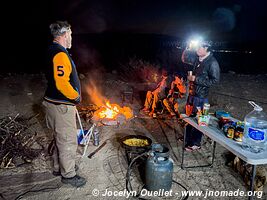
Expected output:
(106, 170)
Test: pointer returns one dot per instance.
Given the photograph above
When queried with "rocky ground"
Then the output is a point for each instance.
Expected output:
(106, 170)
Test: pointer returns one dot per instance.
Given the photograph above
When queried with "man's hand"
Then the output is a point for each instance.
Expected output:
(191, 78)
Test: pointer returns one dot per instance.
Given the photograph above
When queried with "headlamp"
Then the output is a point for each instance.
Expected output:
(194, 44)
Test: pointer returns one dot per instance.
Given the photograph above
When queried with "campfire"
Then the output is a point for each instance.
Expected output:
(108, 111)
(112, 113)
(102, 110)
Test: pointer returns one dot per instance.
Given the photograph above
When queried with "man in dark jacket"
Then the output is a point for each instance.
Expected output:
(61, 96)
(205, 74)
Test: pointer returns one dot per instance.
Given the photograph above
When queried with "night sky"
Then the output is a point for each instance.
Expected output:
(241, 20)
(25, 25)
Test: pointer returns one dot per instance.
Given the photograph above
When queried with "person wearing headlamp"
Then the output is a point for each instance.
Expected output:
(205, 74)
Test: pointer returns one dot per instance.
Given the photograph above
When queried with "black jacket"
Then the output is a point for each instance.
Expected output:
(207, 73)
(61, 88)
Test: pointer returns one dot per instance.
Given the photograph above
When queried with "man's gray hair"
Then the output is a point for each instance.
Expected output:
(59, 28)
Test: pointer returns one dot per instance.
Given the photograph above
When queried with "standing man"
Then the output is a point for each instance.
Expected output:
(205, 74)
(62, 94)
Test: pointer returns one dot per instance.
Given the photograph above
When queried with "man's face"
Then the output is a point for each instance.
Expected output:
(202, 51)
(68, 39)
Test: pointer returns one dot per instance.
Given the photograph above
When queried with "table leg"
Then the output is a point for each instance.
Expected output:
(182, 164)
(128, 157)
(183, 150)
(213, 153)
(252, 179)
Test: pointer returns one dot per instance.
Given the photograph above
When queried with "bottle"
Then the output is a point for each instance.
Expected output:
(206, 108)
(255, 130)
(96, 136)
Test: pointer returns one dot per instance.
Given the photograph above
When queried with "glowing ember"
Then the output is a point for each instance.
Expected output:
(110, 111)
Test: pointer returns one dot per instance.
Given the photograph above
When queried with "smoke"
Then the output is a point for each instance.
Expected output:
(87, 16)
(86, 57)
(94, 93)
(90, 21)
(92, 90)
(88, 62)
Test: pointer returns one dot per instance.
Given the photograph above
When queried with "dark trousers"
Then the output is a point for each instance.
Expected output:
(194, 136)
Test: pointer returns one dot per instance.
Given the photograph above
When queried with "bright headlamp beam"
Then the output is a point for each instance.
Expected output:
(194, 44)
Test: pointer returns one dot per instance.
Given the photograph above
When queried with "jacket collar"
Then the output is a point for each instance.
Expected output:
(204, 57)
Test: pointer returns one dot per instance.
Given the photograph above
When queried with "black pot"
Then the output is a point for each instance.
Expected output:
(136, 149)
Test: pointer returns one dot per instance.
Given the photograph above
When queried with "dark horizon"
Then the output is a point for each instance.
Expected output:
(236, 25)
(109, 50)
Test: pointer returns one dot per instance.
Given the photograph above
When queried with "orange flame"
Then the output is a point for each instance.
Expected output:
(110, 111)
(107, 110)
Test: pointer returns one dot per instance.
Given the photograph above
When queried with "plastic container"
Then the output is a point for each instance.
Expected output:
(255, 130)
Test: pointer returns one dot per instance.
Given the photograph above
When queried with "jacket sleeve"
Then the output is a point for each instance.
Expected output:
(213, 76)
(62, 71)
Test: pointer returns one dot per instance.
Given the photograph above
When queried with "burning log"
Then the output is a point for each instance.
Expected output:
(87, 112)
(112, 114)
(108, 114)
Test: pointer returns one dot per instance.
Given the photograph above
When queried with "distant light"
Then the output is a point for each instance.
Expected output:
(232, 51)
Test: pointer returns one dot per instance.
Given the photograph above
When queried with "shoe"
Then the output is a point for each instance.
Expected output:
(192, 148)
(172, 116)
(59, 173)
(76, 181)
(146, 110)
(152, 114)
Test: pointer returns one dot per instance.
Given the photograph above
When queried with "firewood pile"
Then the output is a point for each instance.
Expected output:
(16, 139)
